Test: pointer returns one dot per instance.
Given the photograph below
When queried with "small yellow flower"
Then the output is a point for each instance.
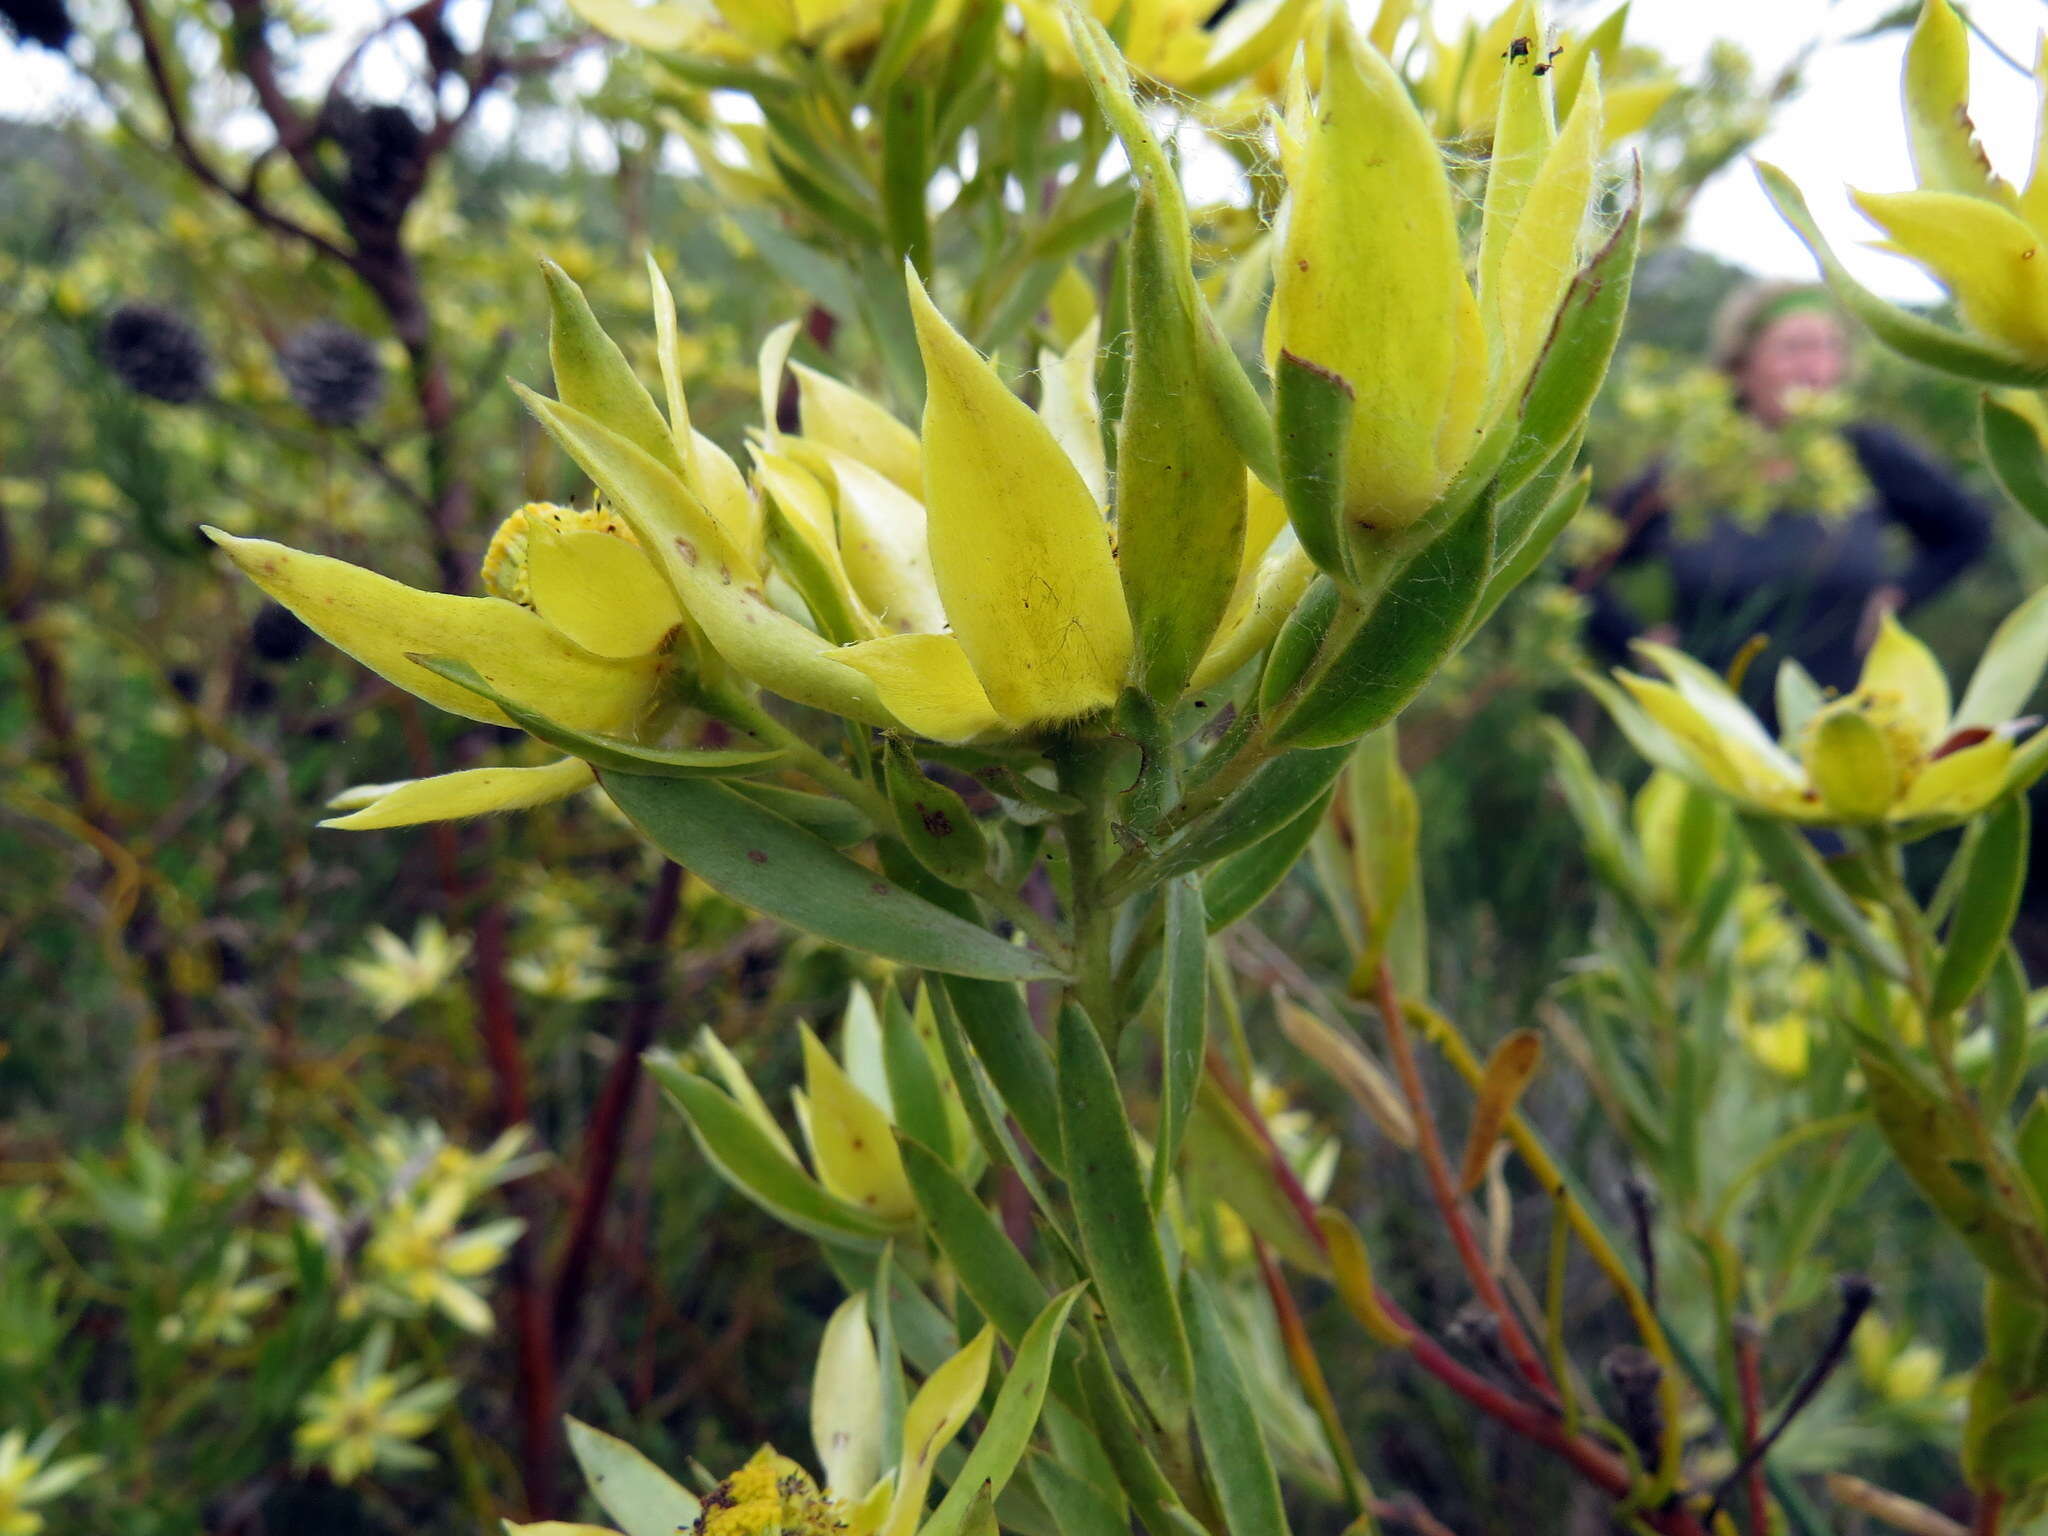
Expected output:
(419, 1259)
(219, 1312)
(770, 1496)
(1895, 751)
(29, 1477)
(368, 1418)
(399, 974)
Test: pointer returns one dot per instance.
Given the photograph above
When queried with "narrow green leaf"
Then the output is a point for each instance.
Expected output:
(835, 821)
(2033, 1147)
(1275, 796)
(2006, 1010)
(2013, 450)
(592, 375)
(1225, 1159)
(901, 33)
(602, 751)
(644, 1500)
(936, 824)
(1922, 340)
(1180, 482)
(1313, 408)
(1986, 904)
(1236, 885)
(1006, 1435)
(1412, 626)
(906, 168)
(1116, 1222)
(1541, 535)
(995, 1020)
(763, 861)
(1078, 1507)
(993, 1273)
(748, 1159)
(1185, 1030)
(1232, 1445)
(1788, 858)
(916, 1095)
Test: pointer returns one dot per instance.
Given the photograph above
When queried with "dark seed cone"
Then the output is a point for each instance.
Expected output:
(278, 635)
(47, 22)
(157, 353)
(381, 145)
(333, 373)
(1634, 1374)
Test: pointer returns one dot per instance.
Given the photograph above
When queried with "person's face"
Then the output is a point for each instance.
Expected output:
(1804, 350)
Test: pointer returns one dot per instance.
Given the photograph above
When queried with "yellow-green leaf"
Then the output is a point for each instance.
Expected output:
(852, 1140)
(645, 1500)
(452, 796)
(846, 1401)
(1851, 765)
(1508, 1070)
(934, 1417)
(600, 591)
(846, 420)
(926, 682)
(1946, 154)
(593, 376)
(1983, 254)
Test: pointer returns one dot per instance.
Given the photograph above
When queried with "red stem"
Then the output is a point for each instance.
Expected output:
(1990, 1507)
(1444, 1190)
(1749, 1382)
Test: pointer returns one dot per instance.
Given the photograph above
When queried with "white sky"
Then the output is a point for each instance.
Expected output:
(1843, 130)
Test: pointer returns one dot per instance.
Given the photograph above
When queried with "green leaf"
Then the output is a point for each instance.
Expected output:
(2033, 1147)
(1232, 1445)
(2013, 450)
(763, 861)
(1078, 1507)
(1180, 481)
(2014, 1449)
(1573, 363)
(1986, 904)
(602, 751)
(2006, 1011)
(642, 1498)
(1116, 1222)
(901, 33)
(1275, 796)
(1006, 1435)
(917, 1096)
(934, 822)
(906, 130)
(1240, 882)
(1184, 1033)
(808, 271)
(1225, 1159)
(1412, 626)
(997, 1023)
(1557, 512)
(994, 1274)
(1922, 340)
(835, 821)
(1313, 410)
(2010, 669)
(748, 1159)
(1789, 859)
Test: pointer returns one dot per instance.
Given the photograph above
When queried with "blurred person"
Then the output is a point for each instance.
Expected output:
(1816, 585)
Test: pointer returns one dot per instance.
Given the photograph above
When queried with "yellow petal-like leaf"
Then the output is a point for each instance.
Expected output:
(593, 376)
(1960, 784)
(882, 541)
(1903, 673)
(769, 365)
(1709, 752)
(717, 585)
(1851, 765)
(926, 682)
(1986, 257)
(933, 1418)
(1019, 546)
(472, 792)
(1936, 86)
(1731, 719)
(1368, 275)
(1248, 627)
(742, 1089)
(849, 421)
(381, 623)
(2033, 200)
(846, 1401)
(853, 1141)
(1541, 255)
(1523, 131)
(668, 26)
(806, 544)
(719, 485)
(600, 591)
(1630, 107)
(1068, 408)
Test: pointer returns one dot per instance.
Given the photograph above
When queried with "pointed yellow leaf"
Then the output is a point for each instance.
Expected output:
(926, 682)
(1368, 278)
(1903, 673)
(882, 541)
(670, 25)
(718, 587)
(472, 792)
(1019, 547)
(663, 302)
(1960, 784)
(1628, 108)
(846, 1401)
(1523, 130)
(1725, 713)
(1725, 763)
(1986, 257)
(1541, 254)
(1248, 627)
(1351, 1265)
(718, 484)
(853, 1142)
(807, 545)
(1601, 43)
(1946, 154)
(1067, 406)
(742, 1089)
(381, 623)
(933, 1418)
(600, 591)
(1508, 1070)
(772, 360)
(593, 376)
(865, 1514)
(849, 421)
(2033, 201)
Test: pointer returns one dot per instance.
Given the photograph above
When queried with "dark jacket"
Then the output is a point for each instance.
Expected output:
(1803, 580)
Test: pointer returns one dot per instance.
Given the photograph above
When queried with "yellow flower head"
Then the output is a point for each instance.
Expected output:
(769, 1496)
(1895, 750)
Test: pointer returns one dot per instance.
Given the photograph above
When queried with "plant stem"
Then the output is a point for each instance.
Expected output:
(1083, 774)
(1749, 1383)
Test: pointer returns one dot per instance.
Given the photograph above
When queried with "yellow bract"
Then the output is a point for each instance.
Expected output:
(1019, 548)
(852, 1141)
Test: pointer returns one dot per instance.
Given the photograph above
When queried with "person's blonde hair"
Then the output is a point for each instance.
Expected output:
(1749, 311)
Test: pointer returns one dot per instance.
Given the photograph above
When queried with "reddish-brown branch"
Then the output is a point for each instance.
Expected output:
(1444, 1190)
(1749, 1384)
(1990, 1508)
(605, 1134)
